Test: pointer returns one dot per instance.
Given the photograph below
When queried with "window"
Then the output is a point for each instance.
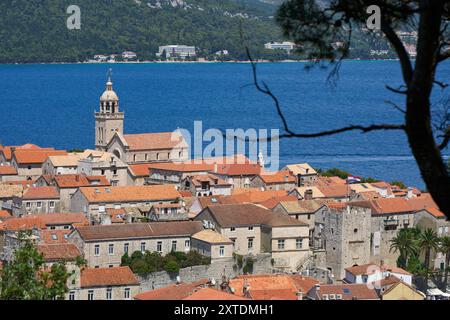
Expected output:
(250, 243)
(66, 227)
(126, 293)
(299, 244)
(52, 204)
(234, 241)
(222, 251)
(324, 297)
(115, 172)
(281, 244)
(28, 204)
(332, 296)
(97, 250)
(174, 245)
(250, 228)
(91, 295)
(142, 247)
(111, 249)
(39, 204)
(125, 247)
(355, 230)
(187, 245)
(338, 296)
(159, 246)
(109, 294)
(103, 172)
(72, 295)
(232, 229)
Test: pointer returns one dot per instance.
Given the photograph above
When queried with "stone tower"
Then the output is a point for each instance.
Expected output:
(109, 120)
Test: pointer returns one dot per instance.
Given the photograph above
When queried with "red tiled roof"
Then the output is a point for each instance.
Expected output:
(272, 202)
(246, 169)
(79, 180)
(8, 150)
(103, 277)
(154, 141)
(24, 223)
(7, 170)
(130, 193)
(364, 269)
(75, 219)
(335, 190)
(49, 236)
(283, 176)
(4, 214)
(36, 193)
(172, 292)
(348, 291)
(66, 251)
(212, 294)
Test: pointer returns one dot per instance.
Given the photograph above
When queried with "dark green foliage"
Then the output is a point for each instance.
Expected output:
(248, 267)
(27, 278)
(333, 172)
(399, 184)
(149, 262)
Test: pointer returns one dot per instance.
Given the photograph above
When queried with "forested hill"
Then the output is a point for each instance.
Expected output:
(36, 31)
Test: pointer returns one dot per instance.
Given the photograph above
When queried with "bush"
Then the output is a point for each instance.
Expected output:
(171, 266)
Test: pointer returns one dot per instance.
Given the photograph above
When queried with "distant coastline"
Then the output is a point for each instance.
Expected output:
(182, 62)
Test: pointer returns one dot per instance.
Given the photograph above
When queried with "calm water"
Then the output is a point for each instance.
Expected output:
(53, 105)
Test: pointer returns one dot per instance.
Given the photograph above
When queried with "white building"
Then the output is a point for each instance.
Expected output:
(176, 51)
(287, 46)
(129, 55)
(372, 273)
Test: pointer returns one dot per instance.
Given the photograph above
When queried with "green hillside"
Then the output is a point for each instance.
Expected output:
(35, 30)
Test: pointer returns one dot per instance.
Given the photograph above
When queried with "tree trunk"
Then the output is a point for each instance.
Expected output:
(427, 268)
(418, 124)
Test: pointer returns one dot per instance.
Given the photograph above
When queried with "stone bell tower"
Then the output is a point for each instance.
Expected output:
(109, 120)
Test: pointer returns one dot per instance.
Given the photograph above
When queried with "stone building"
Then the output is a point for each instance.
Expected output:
(29, 163)
(7, 173)
(281, 180)
(204, 185)
(38, 200)
(343, 233)
(304, 174)
(62, 164)
(237, 174)
(212, 244)
(104, 246)
(175, 172)
(254, 230)
(116, 283)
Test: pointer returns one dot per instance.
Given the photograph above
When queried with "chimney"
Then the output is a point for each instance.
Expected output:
(299, 295)
(308, 194)
(409, 195)
(215, 167)
(245, 287)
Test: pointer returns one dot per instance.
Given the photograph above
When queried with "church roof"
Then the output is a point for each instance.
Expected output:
(154, 141)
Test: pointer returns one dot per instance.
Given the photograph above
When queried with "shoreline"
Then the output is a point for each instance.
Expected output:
(178, 62)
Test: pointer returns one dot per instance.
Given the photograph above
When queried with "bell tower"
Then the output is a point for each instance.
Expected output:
(109, 120)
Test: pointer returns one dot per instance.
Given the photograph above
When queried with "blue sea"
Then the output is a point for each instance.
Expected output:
(53, 105)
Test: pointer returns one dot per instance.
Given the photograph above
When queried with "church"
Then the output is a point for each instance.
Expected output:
(133, 148)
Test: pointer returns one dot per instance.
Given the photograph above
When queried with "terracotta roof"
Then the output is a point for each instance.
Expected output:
(140, 230)
(273, 287)
(8, 150)
(283, 176)
(65, 251)
(212, 179)
(387, 205)
(316, 193)
(51, 219)
(79, 180)
(7, 171)
(301, 168)
(49, 236)
(325, 181)
(348, 291)
(154, 141)
(435, 212)
(140, 170)
(249, 214)
(211, 236)
(272, 202)
(103, 277)
(4, 214)
(335, 190)
(117, 215)
(246, 169)
(36, 193)
(24, 223)
(212, 294)
(24, 183)
(172, 292)
(35, 156)
(364, 268)
(183, 166)
(130, 193)
(389, 280)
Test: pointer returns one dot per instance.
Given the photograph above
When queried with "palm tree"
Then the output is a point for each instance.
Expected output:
(427, 242)
(405, 243)
(445, 249)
